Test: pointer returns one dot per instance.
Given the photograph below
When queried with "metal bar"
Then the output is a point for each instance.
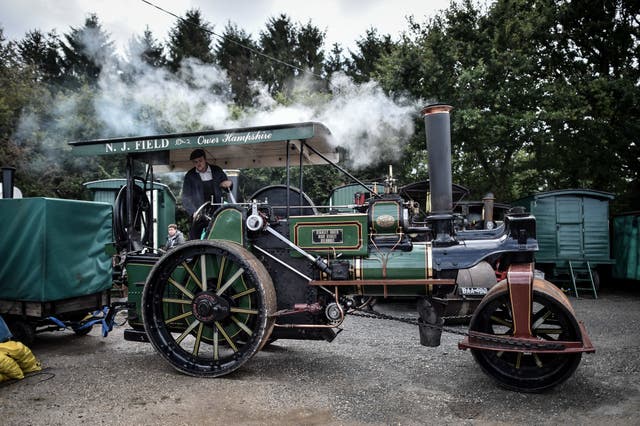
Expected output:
(288, 179)
(424, 281)
(301, 202)
(344, 171)
(129, 194)
(281, 262)
(151, 226)
(477, 340)
(289, 243)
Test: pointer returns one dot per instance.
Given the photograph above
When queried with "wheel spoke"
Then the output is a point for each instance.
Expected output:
(540, 317)
(244, 311)
(179, 317)
(518, 360)
(230, 281)
(192, 275)
(178, 301)
(203, 272)
(242, 325)
(243, 293)
(226, 337)
(537, 359)
(196, 346)
(184, 334)
(501, 321)
(547, 331)
(181, 288)
(223, 263)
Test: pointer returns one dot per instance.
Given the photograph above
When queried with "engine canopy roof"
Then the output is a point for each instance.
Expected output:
(238, 148)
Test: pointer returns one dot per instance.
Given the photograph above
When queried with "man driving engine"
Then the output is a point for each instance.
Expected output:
(204, 182)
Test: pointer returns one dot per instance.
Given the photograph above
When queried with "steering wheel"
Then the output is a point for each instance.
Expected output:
(204, 212)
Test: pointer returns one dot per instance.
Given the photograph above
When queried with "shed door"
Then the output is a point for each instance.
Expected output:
(569, 227)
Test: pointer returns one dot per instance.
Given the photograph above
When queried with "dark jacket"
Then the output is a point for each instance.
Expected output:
(193, 188)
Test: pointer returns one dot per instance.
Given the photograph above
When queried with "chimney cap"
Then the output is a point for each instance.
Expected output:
(436, 108)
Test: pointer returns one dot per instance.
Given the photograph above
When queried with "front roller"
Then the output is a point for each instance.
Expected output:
(207, 307)
(527, 342)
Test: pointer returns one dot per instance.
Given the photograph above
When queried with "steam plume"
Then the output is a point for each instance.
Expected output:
(137, 99)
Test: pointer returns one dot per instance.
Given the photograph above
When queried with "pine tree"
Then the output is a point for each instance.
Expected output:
(86, 51)
(191, 37)
(233, 54)
(42, 52)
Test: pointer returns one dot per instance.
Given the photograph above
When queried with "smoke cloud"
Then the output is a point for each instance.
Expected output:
(135, 99)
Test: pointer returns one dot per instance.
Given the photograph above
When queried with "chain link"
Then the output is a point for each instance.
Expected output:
(409, 320)
(516, 343)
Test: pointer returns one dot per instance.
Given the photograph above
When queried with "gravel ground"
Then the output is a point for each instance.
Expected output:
(374, 373)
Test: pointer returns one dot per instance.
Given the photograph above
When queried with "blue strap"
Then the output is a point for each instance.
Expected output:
(97, 317)
(57, 322)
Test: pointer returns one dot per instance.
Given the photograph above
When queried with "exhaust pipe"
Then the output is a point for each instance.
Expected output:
(487, 210)
(7, 181)
(438, 133)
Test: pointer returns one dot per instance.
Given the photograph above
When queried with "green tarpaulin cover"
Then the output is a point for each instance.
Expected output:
(53, 249)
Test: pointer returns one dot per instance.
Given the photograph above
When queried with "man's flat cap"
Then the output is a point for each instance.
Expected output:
(197, 153)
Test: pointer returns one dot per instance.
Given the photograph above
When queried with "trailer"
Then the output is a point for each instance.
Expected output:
(55, 271)
(291, 270)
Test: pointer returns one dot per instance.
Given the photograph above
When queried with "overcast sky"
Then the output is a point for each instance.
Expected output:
(344, 21)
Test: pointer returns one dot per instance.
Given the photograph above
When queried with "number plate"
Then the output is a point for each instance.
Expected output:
(474, 291)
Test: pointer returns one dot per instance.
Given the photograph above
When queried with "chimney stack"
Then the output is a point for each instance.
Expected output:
(438, 133)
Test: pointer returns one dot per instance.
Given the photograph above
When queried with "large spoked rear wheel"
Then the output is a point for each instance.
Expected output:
(207, 307)
(527, 371)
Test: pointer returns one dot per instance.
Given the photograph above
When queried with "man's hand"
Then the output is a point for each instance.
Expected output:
(226, 184)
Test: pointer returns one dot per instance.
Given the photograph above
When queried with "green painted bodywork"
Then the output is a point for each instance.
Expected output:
(345, 234)
(137, 272)
(385, 217)
(227, 226)
(392, 265)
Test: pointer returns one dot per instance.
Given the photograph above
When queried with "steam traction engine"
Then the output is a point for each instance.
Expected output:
(264, 271)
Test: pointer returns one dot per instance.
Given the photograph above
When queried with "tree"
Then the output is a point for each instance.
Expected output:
(336, 61)
(86, 51)
(42, 52)
(279, 42)
(593, 114)
(309, 54)
(147, 50)
(233, 54)
(455, 59)
(191, 37)
(295, 51)
(371, 48)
